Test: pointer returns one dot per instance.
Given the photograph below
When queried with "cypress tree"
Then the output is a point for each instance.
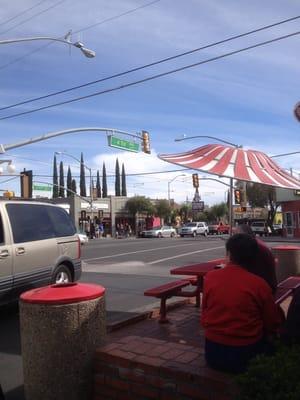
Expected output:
(98, 186)
(69, 182)
(73, 186)
(117, 181)
(124, 189)
(61, 192)
(55, 179)
(104, 182)
(82, 178)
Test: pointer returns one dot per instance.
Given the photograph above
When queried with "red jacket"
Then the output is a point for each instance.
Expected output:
(238, 307)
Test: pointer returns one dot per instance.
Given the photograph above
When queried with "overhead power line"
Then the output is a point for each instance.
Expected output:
(21, 13)
(231, 38)
(33, 16)
(81, 30)
(150, 78)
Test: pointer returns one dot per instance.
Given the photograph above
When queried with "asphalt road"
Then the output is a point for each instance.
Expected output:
(125, 267)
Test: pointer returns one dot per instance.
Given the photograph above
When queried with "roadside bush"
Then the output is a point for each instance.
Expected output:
(274, 377)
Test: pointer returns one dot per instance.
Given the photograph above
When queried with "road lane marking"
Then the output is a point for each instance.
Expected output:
(139, 251)
(184, 254)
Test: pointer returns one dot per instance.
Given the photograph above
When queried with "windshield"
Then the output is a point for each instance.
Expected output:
(191, 224)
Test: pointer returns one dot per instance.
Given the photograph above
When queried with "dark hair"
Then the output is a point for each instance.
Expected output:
(243, 249)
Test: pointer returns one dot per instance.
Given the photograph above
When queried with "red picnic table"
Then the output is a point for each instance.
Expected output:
(199, 271)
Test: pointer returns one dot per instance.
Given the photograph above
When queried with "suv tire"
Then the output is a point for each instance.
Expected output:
(61, 274)
(194, 234)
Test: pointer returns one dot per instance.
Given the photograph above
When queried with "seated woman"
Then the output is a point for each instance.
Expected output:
(238, 309)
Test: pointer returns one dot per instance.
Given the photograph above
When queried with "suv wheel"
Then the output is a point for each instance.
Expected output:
(61, 274)
(194, 234)
(205, 233)
(172, 234)
(159, 235)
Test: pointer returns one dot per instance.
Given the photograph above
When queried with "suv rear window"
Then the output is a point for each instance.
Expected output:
(31, 222)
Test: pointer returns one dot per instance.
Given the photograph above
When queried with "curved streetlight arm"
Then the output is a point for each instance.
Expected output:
(169, 183)
(74, 158)
(87, 52)
(213, 179)
(207, 137)
(285, 154)
(46, 136)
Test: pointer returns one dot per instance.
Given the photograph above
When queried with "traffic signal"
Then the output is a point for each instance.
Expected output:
(195, 180)
(146, 142)
(237, 196)
(26, 184)
(9, 194)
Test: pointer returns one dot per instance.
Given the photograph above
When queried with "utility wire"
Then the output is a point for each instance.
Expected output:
(151, 78)
(117, 16)
(80, 30)
(33, 16)
(151, 64)
(22, 13)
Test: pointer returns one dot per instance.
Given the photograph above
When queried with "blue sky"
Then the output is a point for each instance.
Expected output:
(247, 99)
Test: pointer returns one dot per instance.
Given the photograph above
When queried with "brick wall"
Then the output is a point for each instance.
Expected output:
(141, 368)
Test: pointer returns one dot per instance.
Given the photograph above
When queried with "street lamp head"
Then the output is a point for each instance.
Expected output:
(87, 52)
(11, 168)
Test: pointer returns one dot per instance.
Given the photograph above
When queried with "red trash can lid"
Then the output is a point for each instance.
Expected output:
(63, 293)
(286, 247)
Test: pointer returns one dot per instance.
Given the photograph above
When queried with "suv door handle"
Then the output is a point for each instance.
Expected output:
(20, 251)
(4, 253)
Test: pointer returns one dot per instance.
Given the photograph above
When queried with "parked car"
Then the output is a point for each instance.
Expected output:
(194, 229)
(260, 228)
(218, 228)
(82, 237)
(278, 229)
(38, 246)
(160, 231)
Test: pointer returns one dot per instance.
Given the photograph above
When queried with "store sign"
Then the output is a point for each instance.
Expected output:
(122, 144)
(198, 206)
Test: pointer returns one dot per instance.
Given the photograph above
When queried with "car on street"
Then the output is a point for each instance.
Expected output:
(218, 228)
(260, 228)
(278, 229)
(159, 232)
(82, 237)
(38, 246)
(193, 229)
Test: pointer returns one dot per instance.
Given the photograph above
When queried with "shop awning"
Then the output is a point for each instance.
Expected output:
(236, 163)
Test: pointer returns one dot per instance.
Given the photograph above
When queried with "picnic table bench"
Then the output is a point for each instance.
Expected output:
(194, 275)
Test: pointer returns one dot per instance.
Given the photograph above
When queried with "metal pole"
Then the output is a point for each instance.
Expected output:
(91, 194)
(169, 200)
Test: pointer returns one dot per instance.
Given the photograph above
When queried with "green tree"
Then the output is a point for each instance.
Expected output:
(218, 211)
(118, 180)
(124, 189)
(61, 192)
(185, 212)
(74, 186)
(69, 182)
(98, 186)
(104, 182)
(82, 178)
(139, 204)
(163, 209)
(55, 179)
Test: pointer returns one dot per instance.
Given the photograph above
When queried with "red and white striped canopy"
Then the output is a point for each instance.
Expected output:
(237, 163)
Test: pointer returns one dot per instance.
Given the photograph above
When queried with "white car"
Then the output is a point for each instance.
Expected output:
(160, 231)
(82, 237)
(260, 228)
(194, 229)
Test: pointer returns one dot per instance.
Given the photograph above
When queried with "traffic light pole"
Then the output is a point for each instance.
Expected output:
(46, 136)
(230, 206)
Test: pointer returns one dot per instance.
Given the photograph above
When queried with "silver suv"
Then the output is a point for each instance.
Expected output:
(38, 246)
(194, 229)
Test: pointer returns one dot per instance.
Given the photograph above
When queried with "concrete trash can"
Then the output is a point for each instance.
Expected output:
(61, 326)
(287, 261)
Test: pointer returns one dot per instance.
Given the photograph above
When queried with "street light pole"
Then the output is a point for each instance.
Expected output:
(87, 52)
(169, 183)
(90, 173)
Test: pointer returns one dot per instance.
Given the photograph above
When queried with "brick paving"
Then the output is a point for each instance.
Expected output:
(148, 360)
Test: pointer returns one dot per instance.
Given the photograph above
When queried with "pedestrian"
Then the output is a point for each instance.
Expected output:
(101, 229)
(264, 265)
(238, 309)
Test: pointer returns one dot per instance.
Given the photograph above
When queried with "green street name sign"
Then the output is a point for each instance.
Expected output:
(42, 188)
(113, 141)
